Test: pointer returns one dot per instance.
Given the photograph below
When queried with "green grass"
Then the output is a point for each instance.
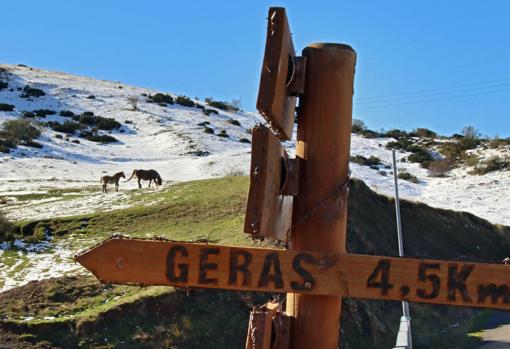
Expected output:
(211, 209)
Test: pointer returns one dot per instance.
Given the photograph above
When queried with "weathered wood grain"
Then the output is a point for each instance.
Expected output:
(268, 210)
(275, 100)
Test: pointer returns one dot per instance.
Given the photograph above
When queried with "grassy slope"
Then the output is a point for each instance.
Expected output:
(211, 209)
(86, 313)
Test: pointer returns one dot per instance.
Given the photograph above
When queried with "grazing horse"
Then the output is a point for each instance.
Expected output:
(147, 175)
(111, 180)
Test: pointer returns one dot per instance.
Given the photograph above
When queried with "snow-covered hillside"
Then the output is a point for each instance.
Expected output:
(170, 140)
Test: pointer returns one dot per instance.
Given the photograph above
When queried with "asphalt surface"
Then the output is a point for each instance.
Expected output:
(497, 333)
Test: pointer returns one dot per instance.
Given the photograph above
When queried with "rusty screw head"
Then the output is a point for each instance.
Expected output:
(120, 263)
(323, 261)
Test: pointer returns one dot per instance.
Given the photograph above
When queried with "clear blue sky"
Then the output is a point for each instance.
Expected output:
(215, 48)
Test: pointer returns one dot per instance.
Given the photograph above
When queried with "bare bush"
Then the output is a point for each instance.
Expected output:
(358, 126)
(438, 168)
(133, 102)
(236, 104)
(470, 132)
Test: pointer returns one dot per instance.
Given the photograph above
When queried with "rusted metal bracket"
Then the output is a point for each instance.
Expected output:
(296, 83)
(289, 177)
(269, 327)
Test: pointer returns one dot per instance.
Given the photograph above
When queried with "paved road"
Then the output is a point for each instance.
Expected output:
(497, 334)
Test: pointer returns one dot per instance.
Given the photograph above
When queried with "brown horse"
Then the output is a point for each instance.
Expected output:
(111, 180)
(147, 175)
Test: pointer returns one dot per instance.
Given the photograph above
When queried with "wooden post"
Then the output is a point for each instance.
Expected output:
(324, 132)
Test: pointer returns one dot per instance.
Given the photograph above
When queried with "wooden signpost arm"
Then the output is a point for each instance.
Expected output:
(154, 262)
(324, 130)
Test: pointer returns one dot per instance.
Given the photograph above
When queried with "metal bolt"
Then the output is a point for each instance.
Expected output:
(120, 263)
(308, 285)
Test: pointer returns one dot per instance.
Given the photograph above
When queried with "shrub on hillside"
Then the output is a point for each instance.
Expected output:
(3, 85)
(498, 142)
(28, 114)
(495, 163)
(107, 124)
(396, 133)
(6, 228)
(85, 119)
(66, 113)
(7, 142)
(223, 133)
(91, 97)
(234, 122)
(43, 112)
(69, 127)
(32, 92)
(33, 144)
(208, 111)
(244, 140)
(407, 177)
(467, 143)
(423, 133)
(370, 134)
(100, 122)
(6, 107)
(19, 130)
(208, 130)
(6, 145)
(470, 159)
(184, 101)
(456, 149)
(422, 157)
(400, 144)
(358, 126)
(221, 105)
(160, 98)
(360, 159)
(98, 138)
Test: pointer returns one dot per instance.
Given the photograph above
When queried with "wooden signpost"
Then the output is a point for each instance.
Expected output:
(307, 197)
(272, 183)
(154, 262)
(282, 75)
